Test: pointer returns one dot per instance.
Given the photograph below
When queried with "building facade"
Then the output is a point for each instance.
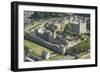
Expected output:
(79, 24)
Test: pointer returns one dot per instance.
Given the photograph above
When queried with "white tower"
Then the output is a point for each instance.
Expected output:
(82, 26)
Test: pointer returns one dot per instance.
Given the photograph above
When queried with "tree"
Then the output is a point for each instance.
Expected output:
(82, 47)
(26, 50)
(68, 29)
(52, 28)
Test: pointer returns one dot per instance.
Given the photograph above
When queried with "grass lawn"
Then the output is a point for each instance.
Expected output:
(37, 49)
(34, 25)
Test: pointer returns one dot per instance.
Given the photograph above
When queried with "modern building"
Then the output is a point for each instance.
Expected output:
(27, 17)
(79, 24)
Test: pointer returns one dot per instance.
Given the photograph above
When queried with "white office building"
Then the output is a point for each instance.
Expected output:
(78, 24)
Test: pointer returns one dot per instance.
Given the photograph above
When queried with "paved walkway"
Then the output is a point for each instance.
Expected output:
(86, 56)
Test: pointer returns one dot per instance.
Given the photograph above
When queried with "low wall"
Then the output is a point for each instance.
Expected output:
(44, 43)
